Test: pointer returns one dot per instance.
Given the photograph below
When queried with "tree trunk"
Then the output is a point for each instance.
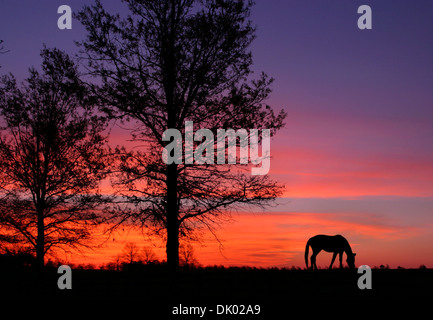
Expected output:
(172, 246)
(40, 241)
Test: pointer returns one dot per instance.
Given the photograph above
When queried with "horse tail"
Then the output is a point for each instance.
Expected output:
(307, 247)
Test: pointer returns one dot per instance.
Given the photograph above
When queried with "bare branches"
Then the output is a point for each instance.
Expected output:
(167, 63)
(2, 49)
(52, 158)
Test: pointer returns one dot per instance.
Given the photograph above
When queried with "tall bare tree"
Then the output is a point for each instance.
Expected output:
(51, 158)
(166, 63)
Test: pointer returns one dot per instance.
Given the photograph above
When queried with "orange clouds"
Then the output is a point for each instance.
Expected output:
(278, 239)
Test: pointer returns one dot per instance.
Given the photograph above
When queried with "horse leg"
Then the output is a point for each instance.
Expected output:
(313, 259)
(333, 259)
(341, 259)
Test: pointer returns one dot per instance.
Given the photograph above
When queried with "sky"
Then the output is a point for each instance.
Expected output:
(356, 154)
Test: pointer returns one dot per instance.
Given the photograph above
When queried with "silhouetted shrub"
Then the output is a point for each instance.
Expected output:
(13, 259)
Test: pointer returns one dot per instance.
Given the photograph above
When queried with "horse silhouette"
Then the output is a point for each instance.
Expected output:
(336, 244)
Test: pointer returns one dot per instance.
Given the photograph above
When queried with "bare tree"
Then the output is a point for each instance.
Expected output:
(187, 255)
(51, 158)
(130, 253)
(167, 63)
(148, 255)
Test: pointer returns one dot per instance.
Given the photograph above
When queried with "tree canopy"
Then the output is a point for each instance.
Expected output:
(166, 63)
(51, 158)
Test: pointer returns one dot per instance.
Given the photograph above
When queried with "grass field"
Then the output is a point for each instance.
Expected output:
(274, 290)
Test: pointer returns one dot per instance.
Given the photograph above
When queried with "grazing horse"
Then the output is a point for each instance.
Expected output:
(336, 244)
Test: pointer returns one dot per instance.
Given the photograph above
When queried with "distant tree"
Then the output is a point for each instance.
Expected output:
(148, 255)
(51, 158)
(167, 63)
(187, 255)
(130, 253)
(116, 263)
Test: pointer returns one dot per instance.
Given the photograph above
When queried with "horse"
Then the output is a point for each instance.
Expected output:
(336, 244)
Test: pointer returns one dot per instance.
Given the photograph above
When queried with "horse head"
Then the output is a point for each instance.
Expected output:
(351, 260)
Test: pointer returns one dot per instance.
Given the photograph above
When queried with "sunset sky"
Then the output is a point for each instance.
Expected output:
(356, 154)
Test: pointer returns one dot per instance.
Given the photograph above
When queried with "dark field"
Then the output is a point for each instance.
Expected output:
(275, 290)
